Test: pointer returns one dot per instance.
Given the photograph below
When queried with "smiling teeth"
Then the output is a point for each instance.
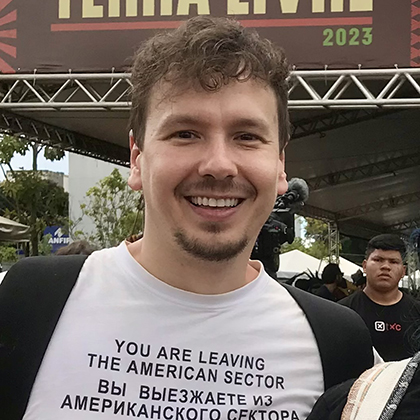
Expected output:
(212, 202)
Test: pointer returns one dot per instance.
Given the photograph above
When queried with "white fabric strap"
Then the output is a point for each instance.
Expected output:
(371, 391)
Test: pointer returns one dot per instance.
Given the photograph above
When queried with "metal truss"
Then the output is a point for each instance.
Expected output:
(309, 89)
(387, 166)
(317, 213)
(378, 88)
(407, 225)
(384, 204)
(58, 137)
(335, 119)
(333, 243)
(63, 92)
(359, 228)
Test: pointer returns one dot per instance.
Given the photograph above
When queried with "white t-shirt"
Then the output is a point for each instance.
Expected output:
(2, 275)
(129, 345)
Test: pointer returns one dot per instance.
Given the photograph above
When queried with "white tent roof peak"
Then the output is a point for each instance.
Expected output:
(296, 261)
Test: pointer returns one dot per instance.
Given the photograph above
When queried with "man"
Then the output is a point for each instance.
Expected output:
(388, 312)
(359, 279)
(180, 324)
(332, 278)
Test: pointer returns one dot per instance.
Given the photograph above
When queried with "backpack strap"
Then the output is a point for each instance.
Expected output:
(344, 342)
(32, 297)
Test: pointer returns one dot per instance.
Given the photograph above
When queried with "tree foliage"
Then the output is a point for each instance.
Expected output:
(8, 254)
(26, 196)
(114, 209)
(36, 202)
(11, 145)
(315, 242)
(298, 244)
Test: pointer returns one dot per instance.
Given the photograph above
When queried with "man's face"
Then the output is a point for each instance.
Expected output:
(210, 168)
(384, 270)
(341, 281)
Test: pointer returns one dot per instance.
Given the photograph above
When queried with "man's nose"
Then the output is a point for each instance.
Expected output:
(218, 160)
(386, 265)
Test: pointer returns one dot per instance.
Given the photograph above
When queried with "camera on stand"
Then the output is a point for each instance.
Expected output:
(280, 226)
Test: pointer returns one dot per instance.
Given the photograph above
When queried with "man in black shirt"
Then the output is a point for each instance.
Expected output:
(332, 278)
(388, 312)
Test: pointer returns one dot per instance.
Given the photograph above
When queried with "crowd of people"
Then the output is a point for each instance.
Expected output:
(181, 324)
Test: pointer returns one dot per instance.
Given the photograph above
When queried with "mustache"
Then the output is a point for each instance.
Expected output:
(223, 186)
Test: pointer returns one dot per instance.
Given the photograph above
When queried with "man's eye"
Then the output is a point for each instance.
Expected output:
(248, 137)
(184, 135)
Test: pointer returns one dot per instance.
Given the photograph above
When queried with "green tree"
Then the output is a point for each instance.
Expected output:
(114, 210)
(317, 236)
(8, 253)
(25, 195)
(298, 244)
(314, 243)
(36, 202)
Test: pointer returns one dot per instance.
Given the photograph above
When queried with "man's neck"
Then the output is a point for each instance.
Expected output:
(193, 275)
(331, 287)
(383, 298)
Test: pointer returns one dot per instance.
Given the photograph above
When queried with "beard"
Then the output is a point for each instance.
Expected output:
(211, 250)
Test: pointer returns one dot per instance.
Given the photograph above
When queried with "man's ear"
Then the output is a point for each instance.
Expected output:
(282, 182)
(134, 180)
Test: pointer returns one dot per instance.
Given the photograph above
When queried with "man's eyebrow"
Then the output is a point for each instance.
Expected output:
(252, 123)
(236, 123)
(182, 119)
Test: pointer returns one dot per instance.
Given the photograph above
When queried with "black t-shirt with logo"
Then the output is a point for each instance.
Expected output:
(391, 327)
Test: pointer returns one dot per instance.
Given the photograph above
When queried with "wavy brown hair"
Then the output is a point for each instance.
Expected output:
(207, 52)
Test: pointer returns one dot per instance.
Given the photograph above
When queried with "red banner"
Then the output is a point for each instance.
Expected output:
(102, 35)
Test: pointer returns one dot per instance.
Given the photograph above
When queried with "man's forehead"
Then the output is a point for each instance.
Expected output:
(166, 89)
(386, 253)
(171, 105)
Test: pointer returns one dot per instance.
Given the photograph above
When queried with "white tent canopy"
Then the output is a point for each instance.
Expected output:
(295, 262)
(11, 231)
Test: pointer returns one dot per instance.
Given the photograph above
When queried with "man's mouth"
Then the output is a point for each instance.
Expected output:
(214, 202)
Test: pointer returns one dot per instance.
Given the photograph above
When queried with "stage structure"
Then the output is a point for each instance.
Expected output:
(354, 90)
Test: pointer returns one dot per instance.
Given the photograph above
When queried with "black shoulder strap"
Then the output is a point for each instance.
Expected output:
(32, 297)
(343, 339)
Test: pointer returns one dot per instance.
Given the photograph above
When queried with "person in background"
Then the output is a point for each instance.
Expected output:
(359, 279)
(81, 247)
(387, 311)
(332, 278)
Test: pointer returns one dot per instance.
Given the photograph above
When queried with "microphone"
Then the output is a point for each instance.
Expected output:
(295, 196)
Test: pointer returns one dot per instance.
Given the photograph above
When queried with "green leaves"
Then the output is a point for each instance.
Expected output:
(113, 208)
(9, 145)
(53, 153)
(315, 242)
(8, 253)
(26, 196)
(29, 191)
(35, 201)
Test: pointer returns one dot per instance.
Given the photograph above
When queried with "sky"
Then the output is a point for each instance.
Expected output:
(25, 162)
